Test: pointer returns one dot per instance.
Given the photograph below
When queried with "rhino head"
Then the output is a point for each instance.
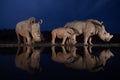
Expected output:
(36, 31)
(72, 39)
(103, 34)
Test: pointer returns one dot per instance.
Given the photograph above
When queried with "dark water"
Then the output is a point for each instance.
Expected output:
(70, 63)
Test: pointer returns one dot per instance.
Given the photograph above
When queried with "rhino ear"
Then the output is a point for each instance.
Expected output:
(41, 21)
(102, 22)
(31, 20)
(103, 27)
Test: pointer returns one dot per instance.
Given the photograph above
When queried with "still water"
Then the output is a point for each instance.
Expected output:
(59, 62)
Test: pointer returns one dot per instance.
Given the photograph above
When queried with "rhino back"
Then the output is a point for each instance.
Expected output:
(70, 24)
(59, 30)
(90, 28)
(23, 26)
(81, 26)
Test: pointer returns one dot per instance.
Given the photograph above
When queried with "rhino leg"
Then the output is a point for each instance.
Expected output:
(28, 38)
(86, 37)
(18, 37)
(64, 39)
(90, 41)
(53, 37)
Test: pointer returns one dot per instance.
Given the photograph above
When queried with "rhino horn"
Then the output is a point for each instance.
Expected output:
(103, 27)
(111, 36)
(102, 22)
(41, 21)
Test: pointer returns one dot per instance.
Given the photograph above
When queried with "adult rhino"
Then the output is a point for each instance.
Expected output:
(29, 29)
(89, 28)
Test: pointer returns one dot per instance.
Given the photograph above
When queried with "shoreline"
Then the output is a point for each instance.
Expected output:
(58, 44)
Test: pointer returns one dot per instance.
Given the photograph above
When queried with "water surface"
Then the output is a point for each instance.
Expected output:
(59, 62)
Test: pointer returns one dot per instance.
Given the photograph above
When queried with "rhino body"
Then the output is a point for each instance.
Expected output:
(29, 30)
(63, 33)
(89, 28)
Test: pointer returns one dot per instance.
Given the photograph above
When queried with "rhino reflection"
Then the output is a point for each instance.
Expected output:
(29, 59)
(64, 56)
(89, 61)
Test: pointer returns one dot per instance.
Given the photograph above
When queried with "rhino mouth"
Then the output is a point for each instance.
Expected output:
(106, 37)
(37, 39)
(109, 38)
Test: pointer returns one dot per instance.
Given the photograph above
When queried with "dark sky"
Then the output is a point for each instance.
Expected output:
(56, 13)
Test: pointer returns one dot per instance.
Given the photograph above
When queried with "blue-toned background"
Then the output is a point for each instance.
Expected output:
(56, 13)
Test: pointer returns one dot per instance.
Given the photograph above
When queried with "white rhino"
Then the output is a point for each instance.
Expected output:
(89, 28)
(63, 33)
(29, 30)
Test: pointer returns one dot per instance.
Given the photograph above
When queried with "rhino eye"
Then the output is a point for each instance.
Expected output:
(105, 33)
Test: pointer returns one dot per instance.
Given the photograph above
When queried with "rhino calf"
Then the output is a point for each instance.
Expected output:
(63, 56)
(63, 33)
(89, 28)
